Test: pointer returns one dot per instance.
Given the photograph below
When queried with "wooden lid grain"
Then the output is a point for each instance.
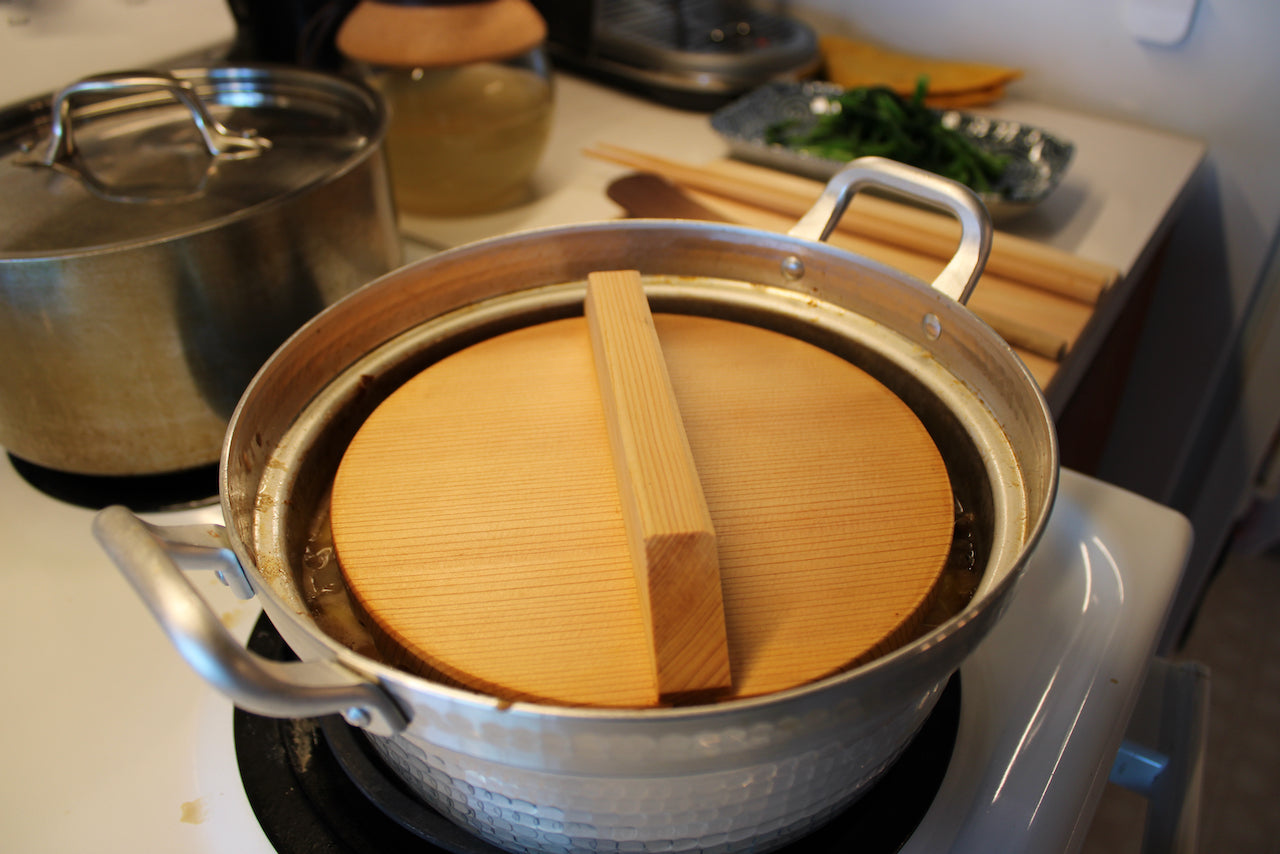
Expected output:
(477, 521)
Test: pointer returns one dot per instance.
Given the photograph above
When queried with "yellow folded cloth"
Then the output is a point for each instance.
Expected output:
(852, 63)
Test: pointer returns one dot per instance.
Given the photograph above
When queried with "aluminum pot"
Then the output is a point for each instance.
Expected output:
(160, 235)
(748, 774)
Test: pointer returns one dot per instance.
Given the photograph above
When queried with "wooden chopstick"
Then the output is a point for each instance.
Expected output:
(1011, 256)
(647, 195)
(927, 232)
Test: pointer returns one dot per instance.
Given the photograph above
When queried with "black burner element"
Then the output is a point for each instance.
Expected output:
(196, 487)
(318, 788)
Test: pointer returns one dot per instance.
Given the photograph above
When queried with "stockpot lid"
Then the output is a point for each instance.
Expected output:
(138, 157)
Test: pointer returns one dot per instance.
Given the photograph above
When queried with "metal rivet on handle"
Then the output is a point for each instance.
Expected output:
(357, 716)
(792, 268)
(932, 326)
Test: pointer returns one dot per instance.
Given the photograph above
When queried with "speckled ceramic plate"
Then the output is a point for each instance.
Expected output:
(1038, 160)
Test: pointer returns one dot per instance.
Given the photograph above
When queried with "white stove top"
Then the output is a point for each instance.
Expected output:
(112, 744)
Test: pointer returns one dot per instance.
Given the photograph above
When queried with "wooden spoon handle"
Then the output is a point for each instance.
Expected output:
(669, 528)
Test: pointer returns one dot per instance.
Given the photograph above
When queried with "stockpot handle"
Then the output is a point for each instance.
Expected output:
(219, 140)
(960, 275)
(276, 689)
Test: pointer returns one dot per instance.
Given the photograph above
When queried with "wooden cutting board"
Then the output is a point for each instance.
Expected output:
(477, 519)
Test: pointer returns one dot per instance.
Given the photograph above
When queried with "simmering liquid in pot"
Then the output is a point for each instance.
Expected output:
(325, 591)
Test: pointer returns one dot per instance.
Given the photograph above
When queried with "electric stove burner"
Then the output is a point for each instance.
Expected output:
(179, 490)
(317, 787)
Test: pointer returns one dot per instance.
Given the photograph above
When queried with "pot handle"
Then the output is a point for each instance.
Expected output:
(960, 275)
(219, 140)
(276, 689)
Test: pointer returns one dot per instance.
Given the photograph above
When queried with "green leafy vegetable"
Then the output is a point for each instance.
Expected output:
(875, 120)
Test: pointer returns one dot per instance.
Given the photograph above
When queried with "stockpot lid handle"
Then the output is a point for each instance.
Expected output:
(219, 140)
(958, 278)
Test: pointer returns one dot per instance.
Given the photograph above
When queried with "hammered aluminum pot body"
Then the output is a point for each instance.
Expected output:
(745, 775)
(128, 357)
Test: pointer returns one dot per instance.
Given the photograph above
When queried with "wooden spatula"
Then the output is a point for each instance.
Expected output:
(669, 529)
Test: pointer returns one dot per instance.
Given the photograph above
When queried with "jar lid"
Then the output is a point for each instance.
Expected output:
(440, 33)
(142, 156)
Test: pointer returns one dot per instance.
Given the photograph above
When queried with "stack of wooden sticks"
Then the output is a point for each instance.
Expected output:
(1037, 297)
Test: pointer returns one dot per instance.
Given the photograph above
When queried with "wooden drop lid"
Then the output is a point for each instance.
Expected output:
(479, 517)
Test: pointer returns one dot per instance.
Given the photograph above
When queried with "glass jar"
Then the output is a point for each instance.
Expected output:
(466, 139)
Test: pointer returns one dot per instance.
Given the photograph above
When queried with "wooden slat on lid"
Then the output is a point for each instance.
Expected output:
(669, 530)
(478, 522)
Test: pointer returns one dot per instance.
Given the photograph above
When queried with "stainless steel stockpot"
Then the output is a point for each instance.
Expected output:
(160, 235)
(748, 774)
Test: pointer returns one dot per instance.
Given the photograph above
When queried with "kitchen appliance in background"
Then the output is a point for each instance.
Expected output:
(693, 54)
